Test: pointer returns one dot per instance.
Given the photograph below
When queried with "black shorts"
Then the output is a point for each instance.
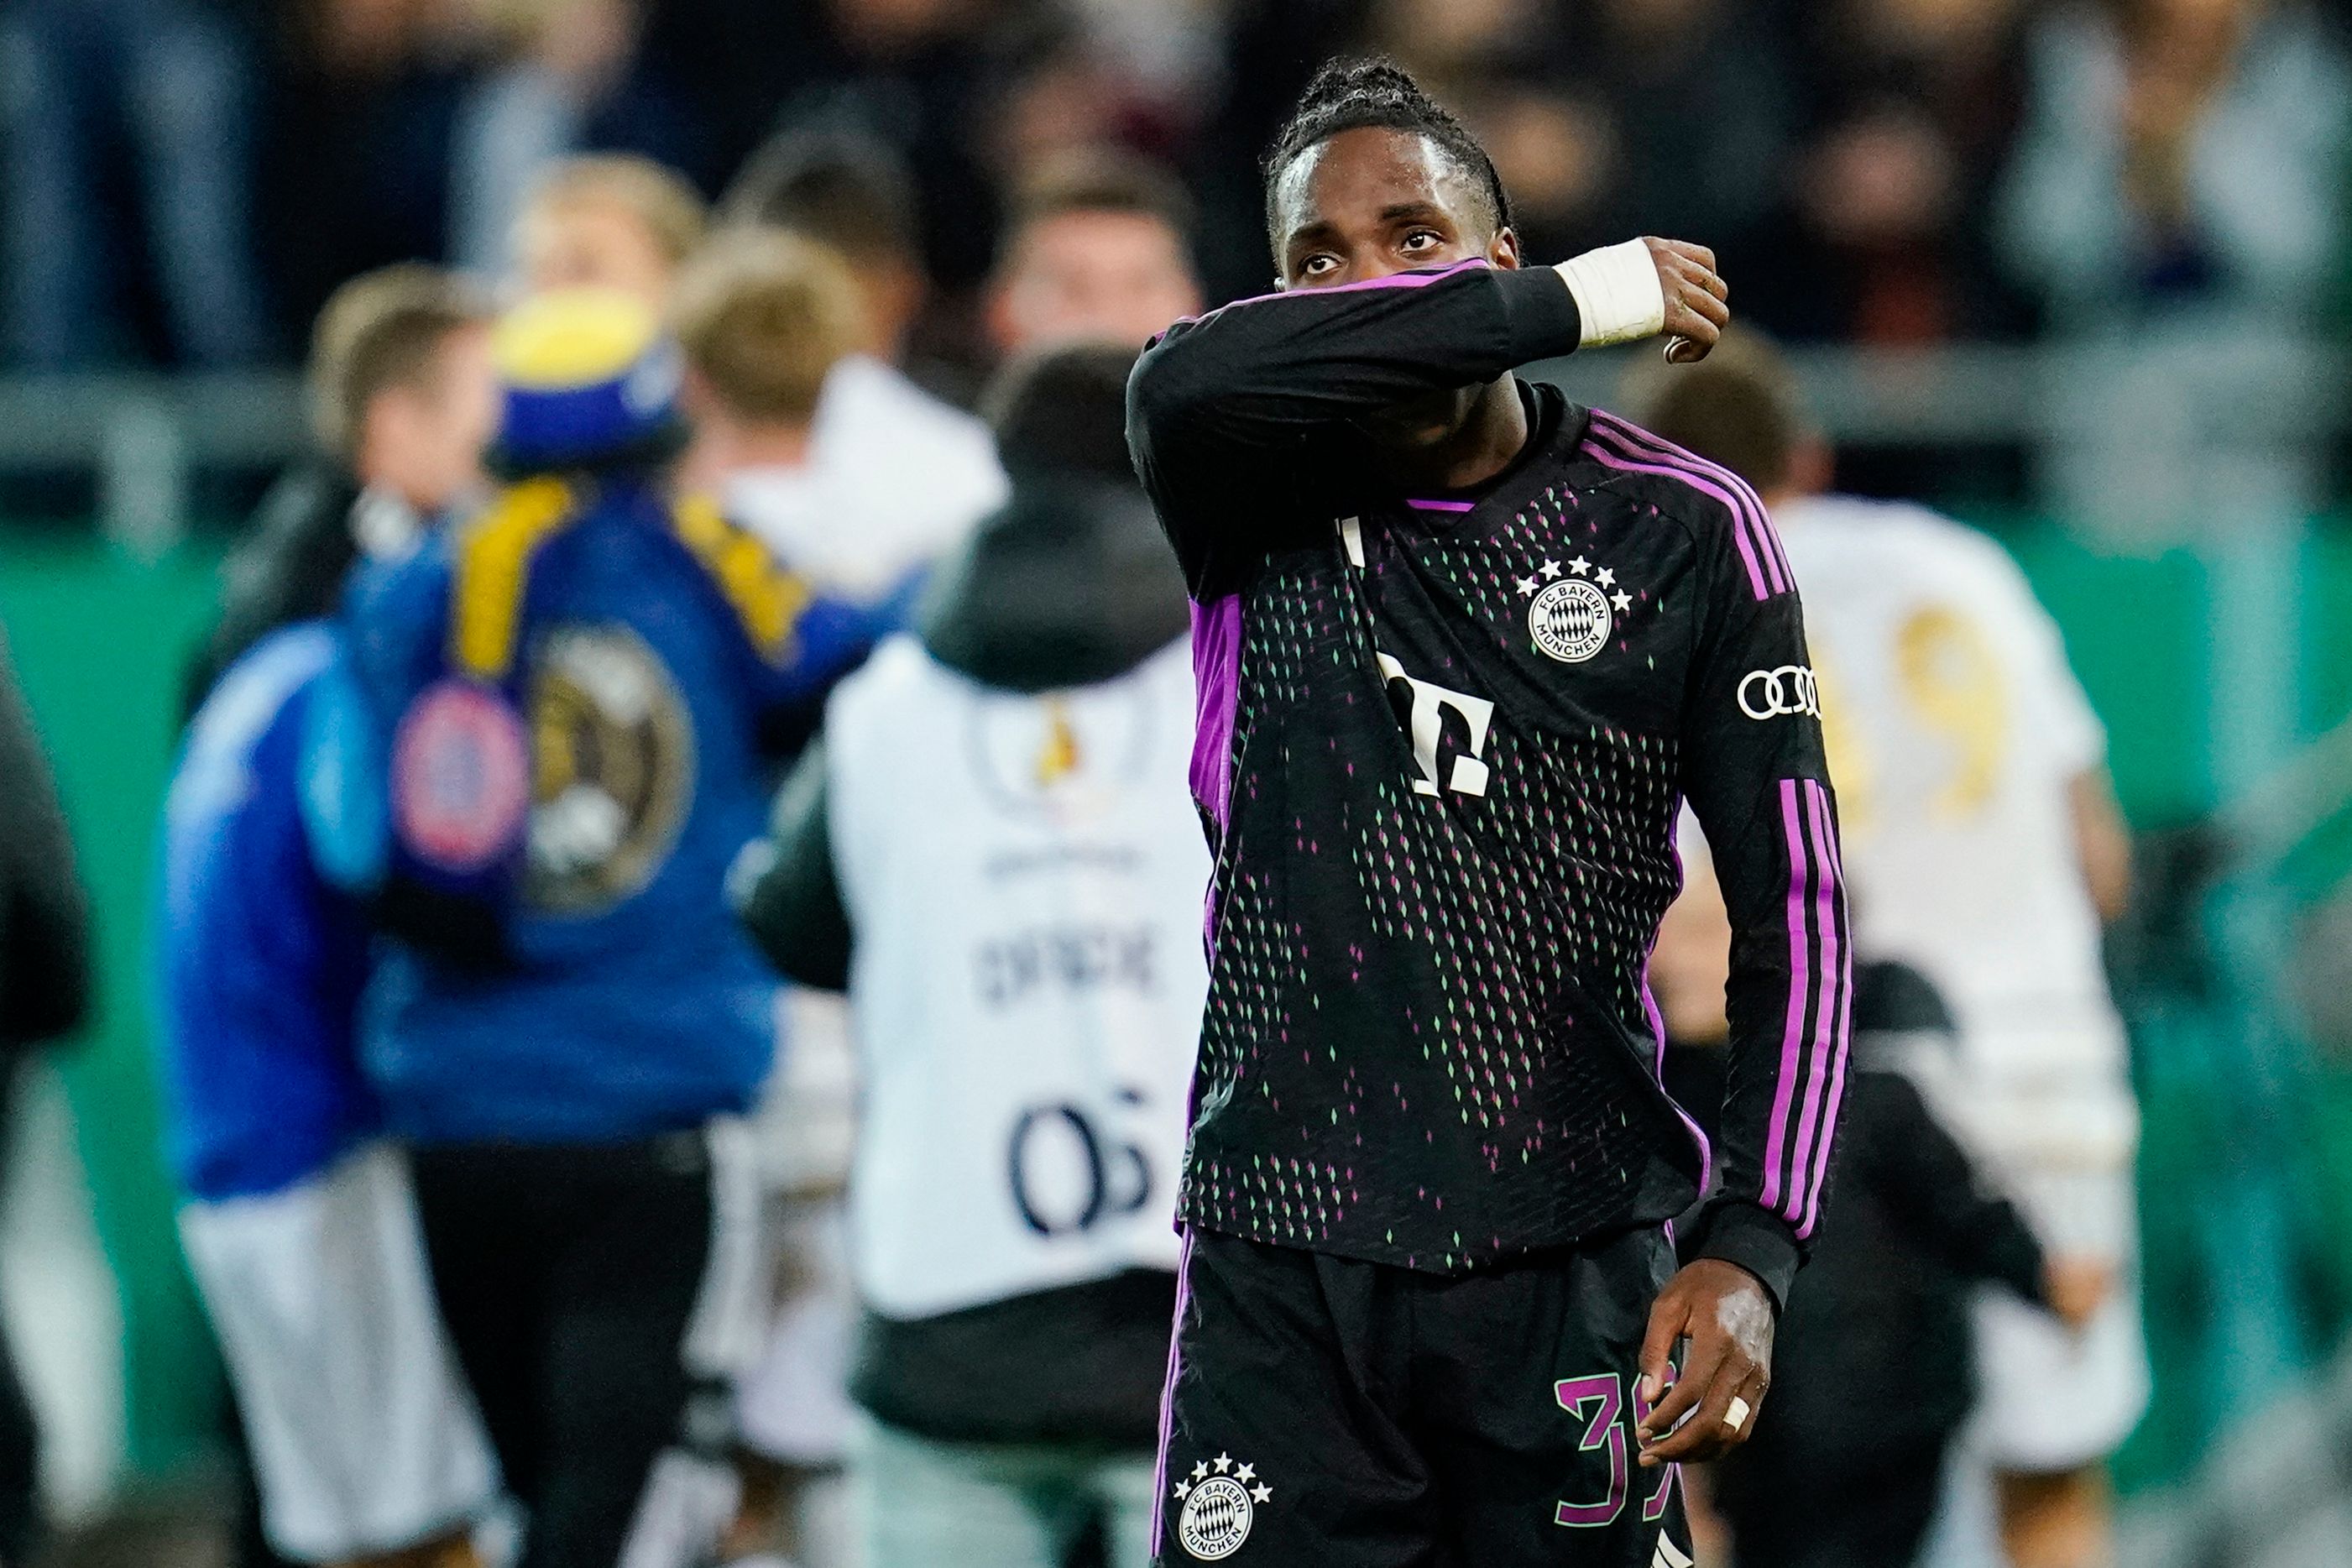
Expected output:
(1329, 1414)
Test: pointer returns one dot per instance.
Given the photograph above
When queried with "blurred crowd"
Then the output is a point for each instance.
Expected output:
(1882, 171)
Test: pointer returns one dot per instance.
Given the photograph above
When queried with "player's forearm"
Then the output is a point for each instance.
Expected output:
(1265, 371)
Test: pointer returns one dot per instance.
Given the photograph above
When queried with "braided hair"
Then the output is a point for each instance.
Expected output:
(1348, 95)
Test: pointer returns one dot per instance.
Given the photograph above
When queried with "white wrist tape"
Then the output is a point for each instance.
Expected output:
(1618, 294)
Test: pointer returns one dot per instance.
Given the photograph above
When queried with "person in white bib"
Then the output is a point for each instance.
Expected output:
(992, 849)
(1983, 847)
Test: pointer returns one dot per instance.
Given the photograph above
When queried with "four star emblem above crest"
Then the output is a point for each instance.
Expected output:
(1244, 1476)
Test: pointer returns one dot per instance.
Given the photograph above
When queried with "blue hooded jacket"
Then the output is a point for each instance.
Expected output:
(565, 703)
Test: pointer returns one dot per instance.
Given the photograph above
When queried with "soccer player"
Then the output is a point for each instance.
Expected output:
(1986, 846)
(1461, 648)
(993, 851)
(300, 1221)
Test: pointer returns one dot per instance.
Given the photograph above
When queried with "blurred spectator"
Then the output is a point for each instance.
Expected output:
(2177, 203)
(402, 401)
(44, 994)
(1098, 248)
(917, 77)
(356, 142)
(175, 80)
(614, 221)
(299, 1221)
(1017, 922)
(553, 61)
(914, 468)
(2181, 153)
(854, 479)
(1910, 107)
(856, 195)
(1698, 96)
(1663, 116)
(562, 712)
(1061, 89)
(763, 317)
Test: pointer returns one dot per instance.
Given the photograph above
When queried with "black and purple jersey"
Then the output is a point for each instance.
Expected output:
(1444, 741)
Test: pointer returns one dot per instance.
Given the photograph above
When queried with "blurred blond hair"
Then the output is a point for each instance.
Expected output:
(381, 329)
(659, 198)
(762, 317)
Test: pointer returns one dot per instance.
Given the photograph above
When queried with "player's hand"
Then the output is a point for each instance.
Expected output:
(1696, 310)
(2077, 1287)
(1723, 1311)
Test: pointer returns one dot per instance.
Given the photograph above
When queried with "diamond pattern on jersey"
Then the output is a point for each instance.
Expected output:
(1414, 1045)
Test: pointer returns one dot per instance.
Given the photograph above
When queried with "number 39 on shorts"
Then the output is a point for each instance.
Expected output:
(1608, 1406)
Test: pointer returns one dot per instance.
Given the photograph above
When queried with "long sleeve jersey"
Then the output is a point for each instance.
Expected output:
(1443, 740)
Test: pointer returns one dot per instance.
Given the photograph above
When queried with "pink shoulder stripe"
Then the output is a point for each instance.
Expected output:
(1633, 438)
(1598, 445)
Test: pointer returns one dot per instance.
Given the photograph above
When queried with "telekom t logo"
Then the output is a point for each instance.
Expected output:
(1426, 724)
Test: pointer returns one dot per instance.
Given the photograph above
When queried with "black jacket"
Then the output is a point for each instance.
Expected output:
(289, 567)
(1872, 1365)
(45, 964)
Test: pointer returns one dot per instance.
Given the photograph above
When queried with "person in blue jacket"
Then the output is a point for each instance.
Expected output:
(570, 703)
(299, 1221)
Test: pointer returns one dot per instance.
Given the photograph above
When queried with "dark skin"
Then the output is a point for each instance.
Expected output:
(1372, 202)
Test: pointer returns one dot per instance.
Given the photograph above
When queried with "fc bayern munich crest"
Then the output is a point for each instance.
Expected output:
(1572, 610)
(460, 776)
(1221, 1499)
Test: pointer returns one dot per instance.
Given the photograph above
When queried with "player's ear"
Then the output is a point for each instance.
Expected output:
(1503, 250)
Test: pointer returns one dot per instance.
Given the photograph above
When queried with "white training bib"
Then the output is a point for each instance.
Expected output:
(1024, 874)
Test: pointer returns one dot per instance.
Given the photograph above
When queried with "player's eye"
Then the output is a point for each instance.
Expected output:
(1318, 265)
(1420, 239)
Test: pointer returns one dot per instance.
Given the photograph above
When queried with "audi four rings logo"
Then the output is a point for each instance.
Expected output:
(1779, 693)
